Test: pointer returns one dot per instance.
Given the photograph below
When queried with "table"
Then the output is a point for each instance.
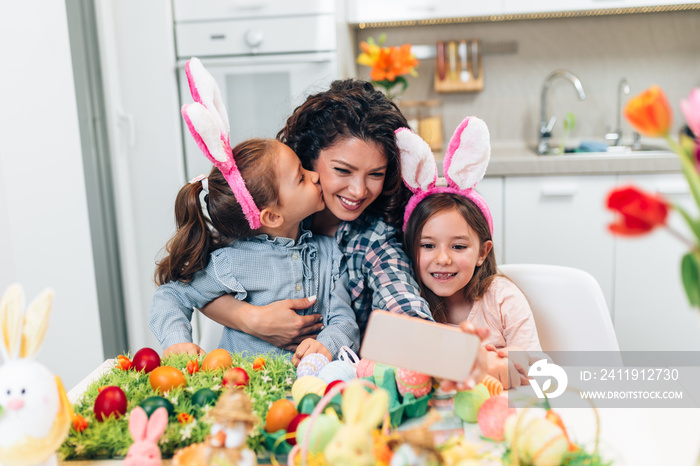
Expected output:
(628, 437)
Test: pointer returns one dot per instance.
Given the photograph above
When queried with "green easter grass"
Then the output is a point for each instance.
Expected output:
(111, 438)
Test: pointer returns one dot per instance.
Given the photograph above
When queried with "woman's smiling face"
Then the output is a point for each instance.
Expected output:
(351, 175)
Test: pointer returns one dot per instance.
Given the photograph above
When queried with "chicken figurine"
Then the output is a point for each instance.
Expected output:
(35, 414)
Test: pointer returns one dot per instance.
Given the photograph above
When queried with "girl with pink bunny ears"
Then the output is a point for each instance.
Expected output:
(239, 231)
(448, 236)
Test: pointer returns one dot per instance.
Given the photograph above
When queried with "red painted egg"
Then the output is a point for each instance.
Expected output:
(145, 360)
(110, 401)
(292, 427)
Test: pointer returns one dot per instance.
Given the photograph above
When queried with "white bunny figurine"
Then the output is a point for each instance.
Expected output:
(146, 432)
(36, 414)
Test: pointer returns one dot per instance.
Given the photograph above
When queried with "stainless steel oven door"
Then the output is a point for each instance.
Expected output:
(260, 93)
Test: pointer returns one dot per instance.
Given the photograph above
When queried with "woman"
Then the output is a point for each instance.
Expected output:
(346, 135)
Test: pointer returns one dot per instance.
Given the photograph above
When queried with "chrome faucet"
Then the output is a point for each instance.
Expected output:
(615, 136)
(547, 125)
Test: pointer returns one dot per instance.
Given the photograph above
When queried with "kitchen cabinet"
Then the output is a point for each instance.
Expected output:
(196, 10)
(491, 189)
(547, 6)
(651, 311)
(371, 11)
(560, 220)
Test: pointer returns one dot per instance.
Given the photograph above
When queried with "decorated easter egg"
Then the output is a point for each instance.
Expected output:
(365, 368)
(311, 364)
(165, 378)
(408, 381)
(307, 384)
(236, 376)
(152, 403)
(468, 402)
(145, 360)
(538, 441)
(293, 426)
(279, 415)
(337, 370)
(217, 359)
(308, 402)
(378, 372)
(204, 397)
(492, 417)
(323, 430)
(111, 401)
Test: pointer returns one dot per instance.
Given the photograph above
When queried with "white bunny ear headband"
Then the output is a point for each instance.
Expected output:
(207, 120)
(464, 165)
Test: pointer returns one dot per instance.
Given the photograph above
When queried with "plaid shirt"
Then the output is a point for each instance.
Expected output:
(380, 271)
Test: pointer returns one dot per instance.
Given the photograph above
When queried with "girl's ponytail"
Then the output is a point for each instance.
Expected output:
(188, 250)
(197, 236)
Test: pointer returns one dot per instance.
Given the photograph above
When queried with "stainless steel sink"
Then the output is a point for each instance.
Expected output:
(613, 151)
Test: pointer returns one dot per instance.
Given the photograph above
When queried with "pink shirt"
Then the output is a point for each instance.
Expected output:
(507, 314)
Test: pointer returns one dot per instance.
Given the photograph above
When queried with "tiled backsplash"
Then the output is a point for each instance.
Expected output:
(661, 48)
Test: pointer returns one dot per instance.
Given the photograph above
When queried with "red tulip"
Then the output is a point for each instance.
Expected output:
(639, 212)
(650, 113)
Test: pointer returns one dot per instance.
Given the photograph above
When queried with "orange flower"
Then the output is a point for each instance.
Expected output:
(193, 366)
(79, 423)
(393, 62)
(258, 364)
(123, 363)
(650, 113)
(184, 418)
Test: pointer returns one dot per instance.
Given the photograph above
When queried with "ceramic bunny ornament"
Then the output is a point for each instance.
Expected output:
(145, 431)
(36, 414)
(464, 165)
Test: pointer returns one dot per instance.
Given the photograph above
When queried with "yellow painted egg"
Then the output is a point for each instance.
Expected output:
(307, 384)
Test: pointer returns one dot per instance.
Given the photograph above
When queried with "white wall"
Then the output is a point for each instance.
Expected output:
(44, 228)
(143, 115)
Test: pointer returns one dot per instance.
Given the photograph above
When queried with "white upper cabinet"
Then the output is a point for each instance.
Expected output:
(198, 10)
(548, 6)
(372, 11)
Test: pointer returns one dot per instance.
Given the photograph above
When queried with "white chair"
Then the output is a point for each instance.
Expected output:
(568, 305)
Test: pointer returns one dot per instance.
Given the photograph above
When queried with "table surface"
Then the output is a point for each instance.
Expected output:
(628, 437)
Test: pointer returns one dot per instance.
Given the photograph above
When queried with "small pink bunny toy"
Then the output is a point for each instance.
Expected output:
(146, 432)
(464, 165)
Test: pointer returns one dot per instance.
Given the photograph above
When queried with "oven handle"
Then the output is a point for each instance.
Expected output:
(314, 57)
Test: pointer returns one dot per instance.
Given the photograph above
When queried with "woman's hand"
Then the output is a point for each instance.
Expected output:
(277, 323)
(480, 364)
(309, 346)
(188, 348)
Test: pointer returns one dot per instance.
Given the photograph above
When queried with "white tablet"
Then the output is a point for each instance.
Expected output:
(439, 350)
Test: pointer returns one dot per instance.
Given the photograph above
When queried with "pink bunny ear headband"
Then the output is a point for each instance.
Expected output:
(464, 165)
(207, 120)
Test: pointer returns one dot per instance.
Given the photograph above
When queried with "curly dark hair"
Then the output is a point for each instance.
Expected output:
(352, 109)
(483, 274)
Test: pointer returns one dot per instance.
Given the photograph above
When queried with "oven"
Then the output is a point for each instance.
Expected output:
(266, 56)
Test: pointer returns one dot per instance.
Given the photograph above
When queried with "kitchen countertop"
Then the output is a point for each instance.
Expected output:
(515, 159)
